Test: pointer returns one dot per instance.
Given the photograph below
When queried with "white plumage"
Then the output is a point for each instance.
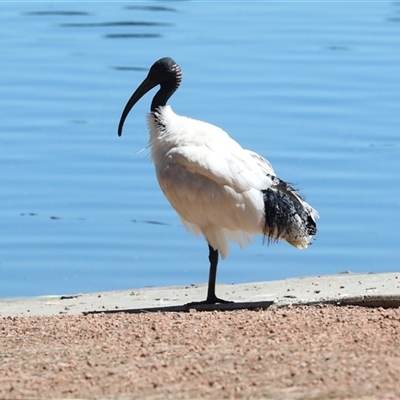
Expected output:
(219, 190)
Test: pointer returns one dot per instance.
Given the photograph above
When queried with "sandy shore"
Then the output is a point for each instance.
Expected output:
(306, 352)
(280, 351)
(374, 290)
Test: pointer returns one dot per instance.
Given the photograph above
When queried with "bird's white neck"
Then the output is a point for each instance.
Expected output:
(161, 139)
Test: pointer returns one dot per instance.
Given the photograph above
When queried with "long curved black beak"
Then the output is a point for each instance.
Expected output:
(144, 87)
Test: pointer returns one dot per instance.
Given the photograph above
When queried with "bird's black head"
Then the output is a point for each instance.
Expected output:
(166, 69)
(164, 72)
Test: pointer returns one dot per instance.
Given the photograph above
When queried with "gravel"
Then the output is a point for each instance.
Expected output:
(307, 352)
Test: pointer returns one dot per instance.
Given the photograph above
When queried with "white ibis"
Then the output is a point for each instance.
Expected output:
(218, 189)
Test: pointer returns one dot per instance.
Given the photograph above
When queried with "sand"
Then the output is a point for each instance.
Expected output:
(295, 352)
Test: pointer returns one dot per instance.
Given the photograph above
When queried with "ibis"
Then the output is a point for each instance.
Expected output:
(219, 189)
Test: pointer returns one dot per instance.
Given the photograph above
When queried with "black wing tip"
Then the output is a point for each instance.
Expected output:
(286, 215)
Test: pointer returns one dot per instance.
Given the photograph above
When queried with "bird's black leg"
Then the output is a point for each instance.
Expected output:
(211, 297)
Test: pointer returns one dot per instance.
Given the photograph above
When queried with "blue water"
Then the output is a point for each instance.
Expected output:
(312, 86)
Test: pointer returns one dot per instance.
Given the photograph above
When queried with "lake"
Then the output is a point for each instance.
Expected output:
(312, 86)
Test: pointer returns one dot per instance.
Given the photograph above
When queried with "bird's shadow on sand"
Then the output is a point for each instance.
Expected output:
(190, 307)
(371, 301)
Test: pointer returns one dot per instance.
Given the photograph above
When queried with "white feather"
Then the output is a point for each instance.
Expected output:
(211, 181)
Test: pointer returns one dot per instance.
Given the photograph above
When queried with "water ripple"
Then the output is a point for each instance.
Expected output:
(108, 24)
(58, 13)
(132, 35)
(151, 8)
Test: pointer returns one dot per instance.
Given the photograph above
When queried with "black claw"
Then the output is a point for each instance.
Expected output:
(209, 300)
(216, 300)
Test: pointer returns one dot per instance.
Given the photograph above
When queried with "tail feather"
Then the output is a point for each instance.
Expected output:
(287, 215)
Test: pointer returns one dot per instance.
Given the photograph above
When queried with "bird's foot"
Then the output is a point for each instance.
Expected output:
(210, 300)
